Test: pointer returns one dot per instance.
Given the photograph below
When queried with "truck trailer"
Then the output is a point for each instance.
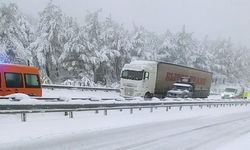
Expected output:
(153, 78)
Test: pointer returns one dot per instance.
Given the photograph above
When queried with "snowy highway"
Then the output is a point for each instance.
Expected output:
(124, 75)
(193, 133)
(207, 128)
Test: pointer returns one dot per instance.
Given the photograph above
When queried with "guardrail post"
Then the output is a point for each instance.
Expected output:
(191, 107)
(120, 110)
(71, 114)
(140, 108)
(65, 113)
(180, 107)
(131, 110)
(167, 108)
(23, 117)
(96, 111)
(151, 109)
(105, 112)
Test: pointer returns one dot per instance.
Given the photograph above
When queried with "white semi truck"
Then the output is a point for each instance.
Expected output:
(152, 78)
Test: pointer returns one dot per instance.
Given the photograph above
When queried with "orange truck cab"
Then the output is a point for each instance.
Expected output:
(19, 79)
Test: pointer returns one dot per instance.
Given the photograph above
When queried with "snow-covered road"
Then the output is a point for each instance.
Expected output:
(193, 133)
(197, 129)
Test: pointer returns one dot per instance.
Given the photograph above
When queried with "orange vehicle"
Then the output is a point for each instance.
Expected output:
(19, 79)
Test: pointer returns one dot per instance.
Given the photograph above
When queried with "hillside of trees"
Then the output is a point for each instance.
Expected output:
(94, 52)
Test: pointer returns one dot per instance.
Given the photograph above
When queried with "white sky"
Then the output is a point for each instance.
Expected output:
(215, 18)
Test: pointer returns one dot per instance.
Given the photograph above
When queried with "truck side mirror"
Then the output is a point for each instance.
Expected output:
(146, 75)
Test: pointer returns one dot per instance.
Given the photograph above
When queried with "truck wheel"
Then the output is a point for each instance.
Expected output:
(147, 95)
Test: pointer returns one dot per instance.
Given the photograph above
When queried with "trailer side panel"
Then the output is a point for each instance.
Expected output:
(168, 74)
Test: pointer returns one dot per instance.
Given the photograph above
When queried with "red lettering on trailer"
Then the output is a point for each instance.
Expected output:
(170, 76)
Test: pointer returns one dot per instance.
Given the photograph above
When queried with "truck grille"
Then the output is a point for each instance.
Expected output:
(129, 91)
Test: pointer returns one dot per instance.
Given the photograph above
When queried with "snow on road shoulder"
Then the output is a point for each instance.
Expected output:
(241, 143)
(79, 93)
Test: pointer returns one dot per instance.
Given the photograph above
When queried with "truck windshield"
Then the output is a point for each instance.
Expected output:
(132, 75)
(231, 90)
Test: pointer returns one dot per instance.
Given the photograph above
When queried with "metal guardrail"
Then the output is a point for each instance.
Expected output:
(67, 99)
(68, 109)
(52, 86)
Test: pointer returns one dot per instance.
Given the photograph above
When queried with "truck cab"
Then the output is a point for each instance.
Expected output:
(138, 79)
(182, 89)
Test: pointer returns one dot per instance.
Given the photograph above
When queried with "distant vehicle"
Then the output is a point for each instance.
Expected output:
(152, 78)
(19, 79)
(232, 92)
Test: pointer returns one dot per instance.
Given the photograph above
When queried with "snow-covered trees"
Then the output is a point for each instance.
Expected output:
(179, 48)
(115, 48)
(73, 58)
(144, 44)
(48, 45)
(95, 51)
(15, 35)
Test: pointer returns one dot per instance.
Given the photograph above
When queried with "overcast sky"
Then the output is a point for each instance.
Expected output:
(215, 18)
